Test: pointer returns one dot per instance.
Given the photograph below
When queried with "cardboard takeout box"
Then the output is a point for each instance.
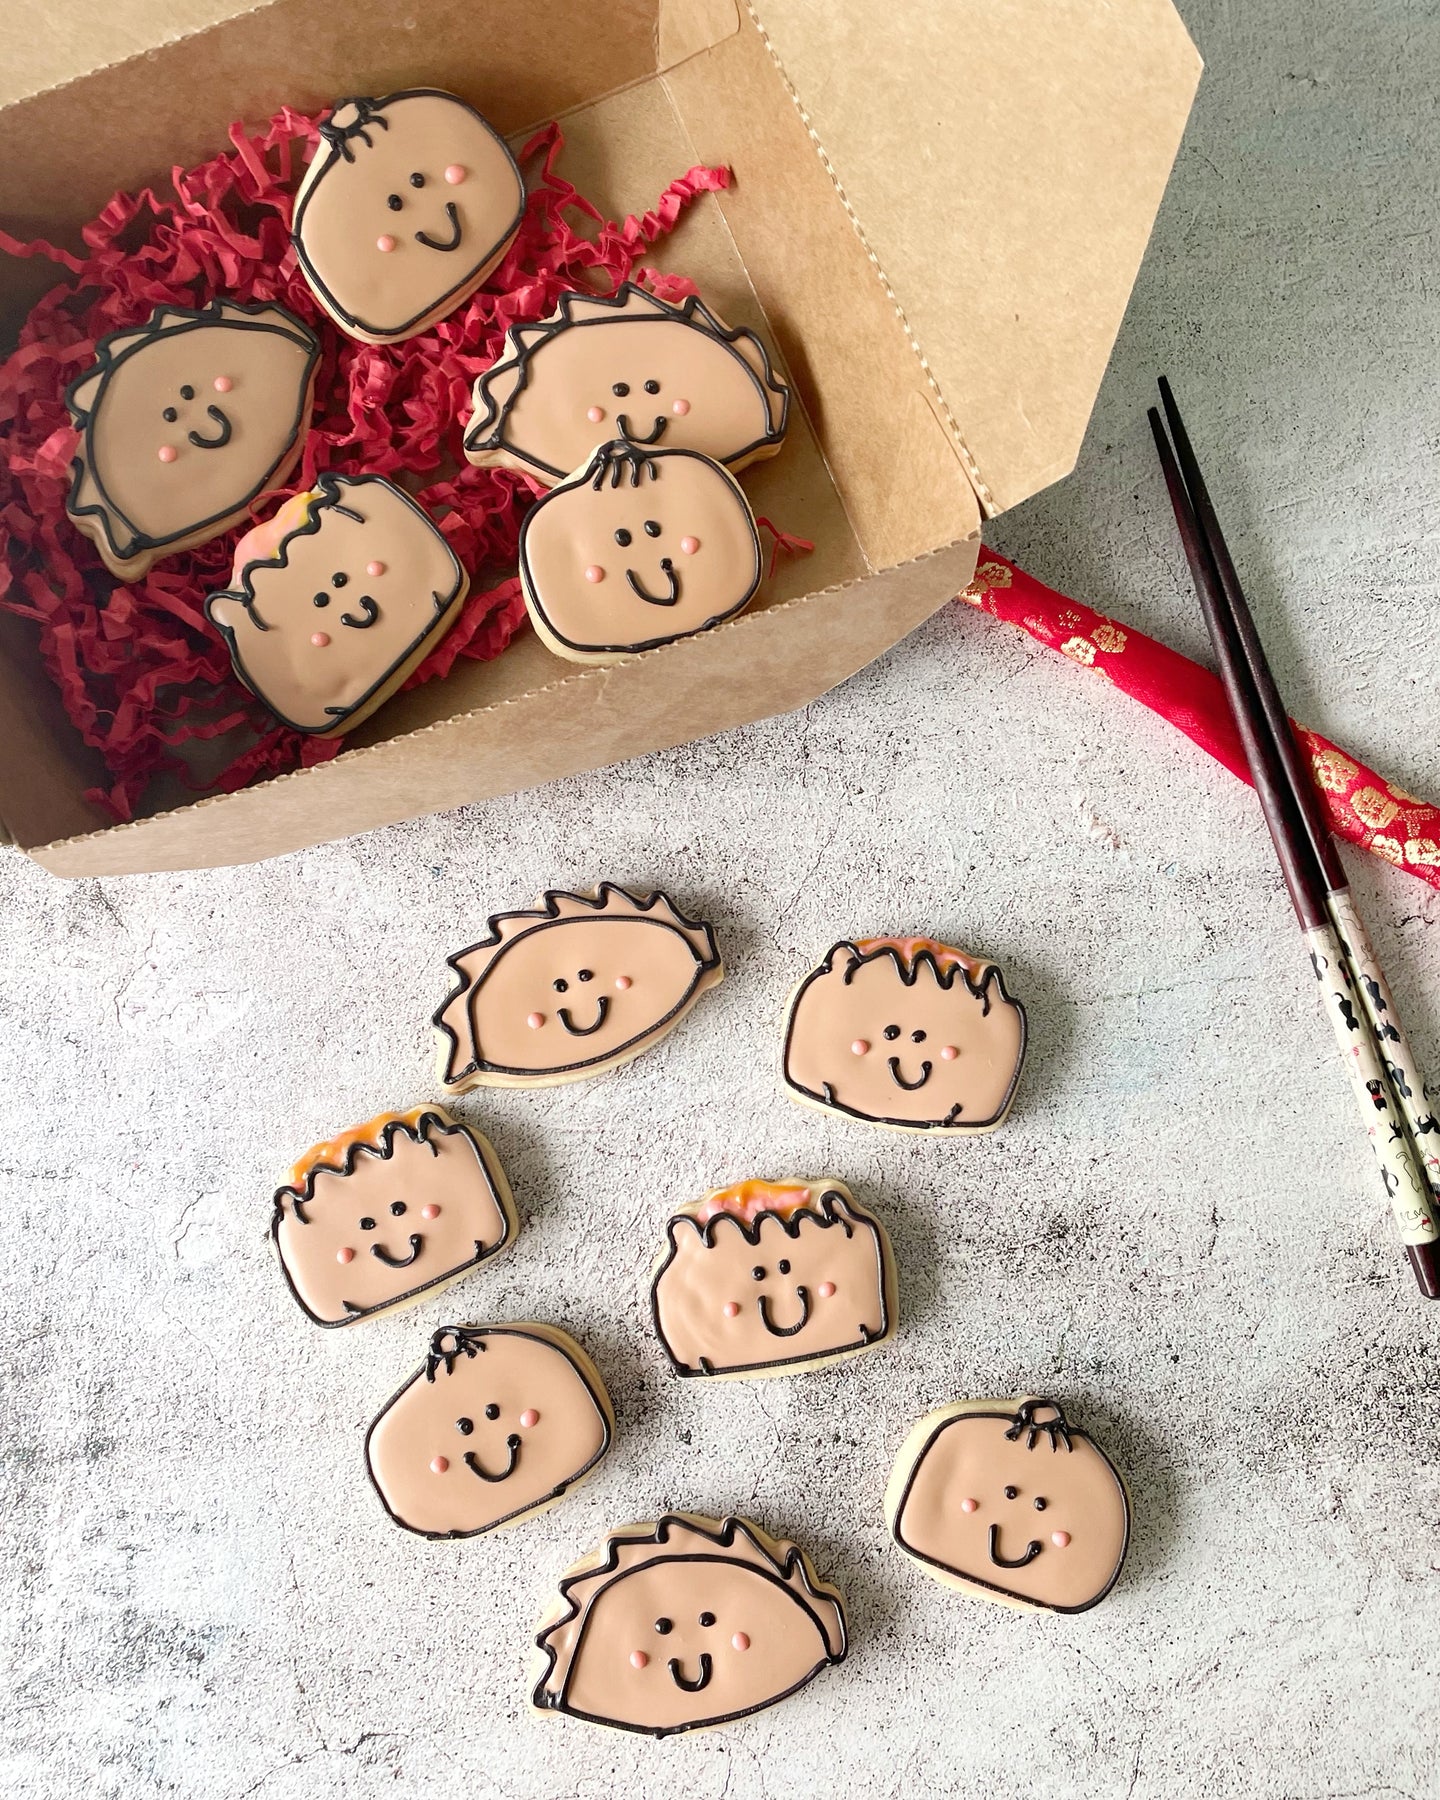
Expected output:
(938, 210)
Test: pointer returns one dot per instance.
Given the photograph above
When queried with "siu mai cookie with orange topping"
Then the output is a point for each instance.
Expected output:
(576, 985)
(905, 1033)
(772, 1277)
(388, 1212)
(1010, 1501)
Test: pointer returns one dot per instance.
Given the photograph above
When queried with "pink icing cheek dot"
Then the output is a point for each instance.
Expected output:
(731, 1309)
(680, 408)
(456, 173)
(948, 1053)
(535, 1021)
(594, 573)
(374, 568)
(432, 1211)
(595, 414)
(741, 1640)
(638, 1659)
(860, 1047)
(440, 1464)
(347, 1255)
(319, 639)
(530, 1418)
(1059, 1539)
(969, 1506)
(167, 453)
(689, 545)
(622, 982)
(223, 384)
(385, 243)
(826, 1290)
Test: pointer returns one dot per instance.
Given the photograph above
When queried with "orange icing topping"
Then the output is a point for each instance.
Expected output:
(747, 1198)
(261, 543)
(333, 1149)
(908, 949)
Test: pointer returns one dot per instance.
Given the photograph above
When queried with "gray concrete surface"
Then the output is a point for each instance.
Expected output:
(1178, 1231)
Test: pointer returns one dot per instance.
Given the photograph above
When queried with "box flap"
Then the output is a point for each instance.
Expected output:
(1003, 161)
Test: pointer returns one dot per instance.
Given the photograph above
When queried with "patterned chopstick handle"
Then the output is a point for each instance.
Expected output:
(1406, 1080)
(1406, 1180)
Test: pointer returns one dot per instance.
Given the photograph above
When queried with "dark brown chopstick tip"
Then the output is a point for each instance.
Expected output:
(1425, 1262)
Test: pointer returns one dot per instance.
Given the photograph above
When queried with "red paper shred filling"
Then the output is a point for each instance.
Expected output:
(143, 676)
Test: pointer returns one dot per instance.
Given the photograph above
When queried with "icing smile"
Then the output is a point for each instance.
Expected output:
(575, 1030)
(702, 1680)
(637, 586)
(452, 212)
(785, 1330)
(622, 421)
(1032, 1550)
(399, 1262)
(222, 438)
(909, 1086)
(371, 612)
(512, 1443)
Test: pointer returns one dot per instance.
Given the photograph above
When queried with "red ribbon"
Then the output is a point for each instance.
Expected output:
(1361, 807)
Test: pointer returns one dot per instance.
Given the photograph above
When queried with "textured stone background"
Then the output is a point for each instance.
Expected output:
(1178, 1231)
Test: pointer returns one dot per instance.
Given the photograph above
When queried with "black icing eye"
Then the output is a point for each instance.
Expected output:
(561, 986)
(652, 528)
(394, 202)
(620, 389)
(464, 1426)
(585, 975)
(367, 1224)
(1011, 1492)
(622, 537)
(664, 1626)
(397, 1207)
(1039, 1503)
(707, 1618)
(758, 1272)
(187, 392)
(892, 1032)
(492, 1411)
(417, 179)
(652, 387)
(322, 599)
(339, 578)
(784, 1266)
(169, 415)
(917, 1037)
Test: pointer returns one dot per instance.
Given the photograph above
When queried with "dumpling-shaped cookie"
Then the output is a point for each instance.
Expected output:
(685, 1623)
(770, 1277)
(335, 600)
(497, 1424)
(184, 421)
(637, 549)
(388, 1211)
(626, 365)
(1009, 1501)
(409, 203)
(579, 984)
(905, 1033)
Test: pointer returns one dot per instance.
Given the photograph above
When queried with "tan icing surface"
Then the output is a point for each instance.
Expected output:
(444, 1169)
(517, 1371)
(574, 529)
(294, 676)
(831, 1014)
(345, 212)
(714, 1264)
(971, 1458)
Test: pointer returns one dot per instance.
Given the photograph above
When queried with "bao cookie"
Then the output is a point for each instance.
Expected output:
(497, 1424)
(184, 422)
(635, 550)
(769, 1277)
(409, 203)
(626, 365)
(578, 984)
(686, 1623)
(335, 600)
(1009, 1501)
(906, 1033)
(385, 1212)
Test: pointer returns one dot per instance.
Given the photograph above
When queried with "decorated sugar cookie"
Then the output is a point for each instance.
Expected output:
(497, 1424)
(635, 550)
(184, 422)
(335, 600)
(1009, 1501)
(769, 1277)
(579, 984)
(906, 1033)
(410, 202)
(626, 365)
(686, 1623)
(390, 1210)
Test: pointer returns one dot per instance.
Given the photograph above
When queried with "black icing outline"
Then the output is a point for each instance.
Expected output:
(614, 457)
(547, 916)
(329, 487)
(825, 1208)
(946, 979)
(487, 432)
(429, 1120)
(1020, 1420)
(722, 1533)
(217, 313)
(337, 140)
(470, 1343)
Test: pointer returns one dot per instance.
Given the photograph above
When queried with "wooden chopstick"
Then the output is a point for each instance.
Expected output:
(1390, 1093)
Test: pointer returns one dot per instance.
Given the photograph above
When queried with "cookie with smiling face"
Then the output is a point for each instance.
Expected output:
(905, 1033)
(498, 1423)
(683, 1624)
(630, 366)
(579, 984)
(184, 422)
(638, 549)
(1010, 1501)
(409, 203)
(389, 1211)
(770, 1277)
(335, 600)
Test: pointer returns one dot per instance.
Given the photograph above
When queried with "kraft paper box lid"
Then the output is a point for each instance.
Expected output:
(935, 220)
